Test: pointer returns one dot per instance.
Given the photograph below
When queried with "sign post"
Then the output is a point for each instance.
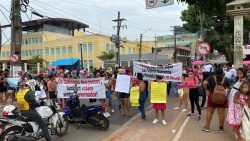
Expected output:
(204, 48)
(158, 3)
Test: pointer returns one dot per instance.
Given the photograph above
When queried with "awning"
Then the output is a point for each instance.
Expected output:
(66, 62)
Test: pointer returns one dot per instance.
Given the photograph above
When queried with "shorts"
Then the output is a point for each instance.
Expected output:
(213, 105)
(52, 95)
(123, 95)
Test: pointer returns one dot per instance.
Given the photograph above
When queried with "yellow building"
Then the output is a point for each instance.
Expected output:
(52, 39)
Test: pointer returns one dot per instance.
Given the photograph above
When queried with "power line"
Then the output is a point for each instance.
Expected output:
(5, 16)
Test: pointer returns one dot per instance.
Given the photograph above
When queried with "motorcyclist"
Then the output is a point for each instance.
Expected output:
(27, 104)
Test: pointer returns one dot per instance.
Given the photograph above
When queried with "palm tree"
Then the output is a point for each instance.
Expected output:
(107, 56)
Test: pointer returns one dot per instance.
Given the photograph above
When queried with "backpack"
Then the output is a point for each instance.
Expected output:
(218, 95)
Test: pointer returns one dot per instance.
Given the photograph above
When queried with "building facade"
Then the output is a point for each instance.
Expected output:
(55, 42)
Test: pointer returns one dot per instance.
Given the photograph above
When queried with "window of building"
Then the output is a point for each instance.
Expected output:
(52, 51)
(33, 52)
(85, 63)
(64, 50)
(7, 54)
(57, 50)
(33, 40)
(84, 47)
(129, 50)
(79, 47)
(40, 39)
(26, 53)
(37, 52)
(70, 49)
(90, 63)
(30, 52)
(29, 41)
(90, 46)
(134, 50)
(46, 51)
(123, 50)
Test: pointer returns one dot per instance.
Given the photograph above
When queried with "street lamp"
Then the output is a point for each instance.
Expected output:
(140, 49)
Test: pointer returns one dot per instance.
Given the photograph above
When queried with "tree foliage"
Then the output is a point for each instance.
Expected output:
(36, 59)
(217, 25)
(107, 55)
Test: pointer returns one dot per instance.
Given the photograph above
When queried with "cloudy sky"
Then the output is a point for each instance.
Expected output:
(98, 14)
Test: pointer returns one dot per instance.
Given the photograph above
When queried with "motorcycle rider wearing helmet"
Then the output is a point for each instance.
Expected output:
(27, 104)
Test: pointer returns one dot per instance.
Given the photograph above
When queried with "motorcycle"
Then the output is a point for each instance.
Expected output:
(93, 114)
(12, 123)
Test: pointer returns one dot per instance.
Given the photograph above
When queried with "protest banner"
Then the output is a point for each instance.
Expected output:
(134, 96)
(122, 83)
(84, 88)
(171, 72)
(158, 92)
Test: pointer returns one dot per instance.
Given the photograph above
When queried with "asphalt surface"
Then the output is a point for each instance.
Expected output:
(90, 133)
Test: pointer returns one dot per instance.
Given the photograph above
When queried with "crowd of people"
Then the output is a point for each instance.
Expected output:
(201, 81)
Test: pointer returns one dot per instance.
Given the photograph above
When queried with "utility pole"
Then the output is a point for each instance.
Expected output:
(140, 47)
(175, 50)
(140, 44)
(155, 52)
(16, 33)
(119, 22)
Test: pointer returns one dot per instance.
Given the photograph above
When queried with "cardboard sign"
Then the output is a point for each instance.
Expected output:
(158, 92)
(122, 83)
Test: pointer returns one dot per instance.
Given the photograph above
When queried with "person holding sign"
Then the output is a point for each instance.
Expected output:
(193, 83)
(142, 96)
(159, 98)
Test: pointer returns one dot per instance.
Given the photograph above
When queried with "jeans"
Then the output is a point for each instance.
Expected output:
(142, 100)
(34, 116)
(194, 99)
(109, 96)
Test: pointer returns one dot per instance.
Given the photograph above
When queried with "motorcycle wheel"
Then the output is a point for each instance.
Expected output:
(10, 131)
(63, 124)
(104, 123)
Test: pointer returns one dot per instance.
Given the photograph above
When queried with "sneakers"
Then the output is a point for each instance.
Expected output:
(177, 108)
(155, 121)
(164, 122)
(205, 129)
(199, 118)
(190, 115)
(184, 110)
(221, 130)
(112, 110)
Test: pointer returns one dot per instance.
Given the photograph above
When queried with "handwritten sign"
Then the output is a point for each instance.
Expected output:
(134, 96)
(84, 88)
(158, 92)
(171, 72)
(122, 83)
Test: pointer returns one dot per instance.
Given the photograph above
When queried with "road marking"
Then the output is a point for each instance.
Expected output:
(178, 135)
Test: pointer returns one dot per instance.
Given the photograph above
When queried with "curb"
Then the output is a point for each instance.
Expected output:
(114, 134)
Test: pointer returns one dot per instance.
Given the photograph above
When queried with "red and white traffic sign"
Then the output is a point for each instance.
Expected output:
(14, 58)
(203, 48)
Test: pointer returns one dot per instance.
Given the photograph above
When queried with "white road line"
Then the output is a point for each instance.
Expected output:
(178, 135)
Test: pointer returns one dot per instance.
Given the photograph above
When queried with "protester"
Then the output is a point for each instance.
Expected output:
(159, 106)
(230, 73)
(235, 111)
(2, 88)
(52, 87)
(209, 86)
(143, 96)
(108, 85)
(183, 97)
(194, 82)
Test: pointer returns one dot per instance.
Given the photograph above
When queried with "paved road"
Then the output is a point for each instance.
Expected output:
(90, 133)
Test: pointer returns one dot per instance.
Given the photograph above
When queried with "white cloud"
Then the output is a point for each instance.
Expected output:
(98, 14)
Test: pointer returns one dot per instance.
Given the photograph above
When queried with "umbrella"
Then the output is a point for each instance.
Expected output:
(198, 62)
(246, 62)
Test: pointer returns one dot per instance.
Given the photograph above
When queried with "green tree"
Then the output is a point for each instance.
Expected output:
(36, 59)
(107, 56)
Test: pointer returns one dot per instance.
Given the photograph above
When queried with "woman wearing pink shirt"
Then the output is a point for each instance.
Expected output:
(193, 82)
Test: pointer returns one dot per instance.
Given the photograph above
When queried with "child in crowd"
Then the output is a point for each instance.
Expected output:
(235, 111)
(159, 106)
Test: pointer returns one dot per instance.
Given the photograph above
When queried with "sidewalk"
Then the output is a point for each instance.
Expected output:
(178, 128)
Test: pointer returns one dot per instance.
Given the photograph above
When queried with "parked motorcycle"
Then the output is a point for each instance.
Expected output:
(94, 114)
(12, 123)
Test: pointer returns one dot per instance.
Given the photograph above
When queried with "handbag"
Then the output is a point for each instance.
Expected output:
(200, 89)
